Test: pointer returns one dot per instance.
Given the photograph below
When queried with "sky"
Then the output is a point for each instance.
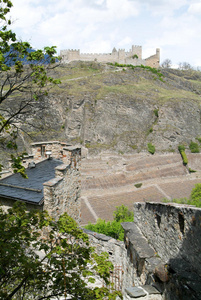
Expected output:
(97, 26)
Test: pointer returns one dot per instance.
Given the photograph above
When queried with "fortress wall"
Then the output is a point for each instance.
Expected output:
(154, 60)
(135, 62)
(120, 56)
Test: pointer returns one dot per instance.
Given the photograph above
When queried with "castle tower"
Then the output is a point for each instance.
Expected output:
(137, 50)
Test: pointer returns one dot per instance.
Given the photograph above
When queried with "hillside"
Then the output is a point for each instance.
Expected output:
(105, 107)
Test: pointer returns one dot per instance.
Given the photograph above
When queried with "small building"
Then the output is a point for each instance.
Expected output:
(53, 182)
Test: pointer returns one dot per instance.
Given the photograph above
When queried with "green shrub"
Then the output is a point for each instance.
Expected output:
(194, 147)
(198, 139)
(181, 148)
(184, 157)
(195, 197)
(156, 112)
(122, 214)
(134, 147)
(191, 170)
(151, 148)
(113, 228)
(138, 185)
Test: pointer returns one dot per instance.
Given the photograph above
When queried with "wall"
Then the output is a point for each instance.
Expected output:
(161, 256)
(154, 60)
(62, 193)
(169, 255)
(120, 56)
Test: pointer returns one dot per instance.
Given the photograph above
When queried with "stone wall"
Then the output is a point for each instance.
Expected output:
(120, 56)
(164, 246)
(160, 257)
(62, 193)
(58, 150)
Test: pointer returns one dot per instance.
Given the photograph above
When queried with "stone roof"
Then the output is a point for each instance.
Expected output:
(29, 190)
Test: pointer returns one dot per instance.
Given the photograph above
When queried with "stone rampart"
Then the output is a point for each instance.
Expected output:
(133, 56)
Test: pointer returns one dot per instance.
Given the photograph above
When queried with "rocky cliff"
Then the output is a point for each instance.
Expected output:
(121, 108)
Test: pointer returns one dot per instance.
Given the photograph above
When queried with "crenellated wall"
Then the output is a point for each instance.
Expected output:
(133, 56)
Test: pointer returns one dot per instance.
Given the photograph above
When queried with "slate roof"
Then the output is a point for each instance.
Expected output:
(29, 190)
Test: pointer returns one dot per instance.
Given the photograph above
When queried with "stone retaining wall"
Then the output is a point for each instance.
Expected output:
(161, 253)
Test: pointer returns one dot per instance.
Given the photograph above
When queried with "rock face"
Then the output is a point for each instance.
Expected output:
(122, 109)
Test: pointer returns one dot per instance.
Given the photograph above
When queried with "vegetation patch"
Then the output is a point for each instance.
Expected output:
(151, 148)
(194, 147)
(138, 185)
(156, 112)
(194, 199)
(181, 149)
(153, 70)
(113, 228)
(198, 139)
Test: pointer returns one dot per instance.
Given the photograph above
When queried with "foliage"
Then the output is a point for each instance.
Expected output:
(23, 78)
(156, 112)
(195, 197)
(153, 70)
(138, 185)
(151, 148)
(194, 147)
(122, 214)
(41, 258)
(181, 149)
(113, 228)
(199, 139)
(135, 56)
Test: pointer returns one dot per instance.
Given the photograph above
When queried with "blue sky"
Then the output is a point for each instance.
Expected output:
(174, 26)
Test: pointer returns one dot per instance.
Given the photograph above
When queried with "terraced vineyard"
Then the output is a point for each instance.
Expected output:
(111, 180)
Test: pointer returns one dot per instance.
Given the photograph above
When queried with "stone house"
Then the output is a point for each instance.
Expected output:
(53, 182)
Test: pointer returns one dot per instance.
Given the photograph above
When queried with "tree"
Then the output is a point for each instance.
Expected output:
(195, 197)
(185, 66)
(24, 80)
(44, 259)
(167, 63)
(113, 228)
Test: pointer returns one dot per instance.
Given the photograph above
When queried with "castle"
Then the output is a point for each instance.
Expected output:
(133, 57)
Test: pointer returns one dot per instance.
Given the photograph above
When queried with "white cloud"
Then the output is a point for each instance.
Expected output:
(195, 8)
(100, 25)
